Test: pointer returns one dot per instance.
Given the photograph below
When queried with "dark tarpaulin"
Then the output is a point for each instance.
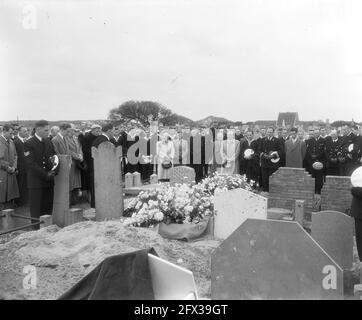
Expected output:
(122, 277)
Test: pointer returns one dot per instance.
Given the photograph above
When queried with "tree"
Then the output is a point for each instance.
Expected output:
(175, 119)
(340, 123)
(139, 111)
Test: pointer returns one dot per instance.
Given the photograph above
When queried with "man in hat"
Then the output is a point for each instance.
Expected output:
(39, 152)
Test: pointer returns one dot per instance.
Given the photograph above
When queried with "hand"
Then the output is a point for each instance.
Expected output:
(10, 170)
(50, 175)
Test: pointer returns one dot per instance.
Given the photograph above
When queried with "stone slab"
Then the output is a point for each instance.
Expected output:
(233, 207)
(272, 259)
(61, 191)
(107, 181)
(333, 230)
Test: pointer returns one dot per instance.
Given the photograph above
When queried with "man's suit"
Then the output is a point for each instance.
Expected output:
(267, 146)
(351, 162)
(60, 145)
(332, 150)
(316, 153)
(282, 162)
(251, 165)
(22, 172)
(40, 184)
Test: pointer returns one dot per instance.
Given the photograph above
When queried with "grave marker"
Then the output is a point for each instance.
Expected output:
(333, 231)
(233, 207)
(137, 179)
(128, 180)
(107, 181)
(61, 191)
(270, 259)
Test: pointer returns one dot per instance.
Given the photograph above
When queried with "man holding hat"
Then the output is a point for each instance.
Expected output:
(315, 157)
(41, 165)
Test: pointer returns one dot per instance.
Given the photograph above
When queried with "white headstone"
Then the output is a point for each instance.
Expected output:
(137, 179)
(154, 178)
(128, 180)
(233, 207)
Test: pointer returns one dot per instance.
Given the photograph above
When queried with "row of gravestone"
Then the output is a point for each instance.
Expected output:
(270, 259)
(259, 258)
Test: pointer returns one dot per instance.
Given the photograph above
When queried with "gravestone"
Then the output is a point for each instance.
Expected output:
(74, 215)
(153, 178)
(299, 211)
(272, 259)
(137, 179)
(336, 194)
(233, 207)
(61, 191)
(107, 181)
(182, 174)
(289, 184)
(128, 180)
(334, 232)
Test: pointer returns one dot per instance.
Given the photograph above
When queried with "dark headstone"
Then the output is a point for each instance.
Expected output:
(333, 231)
(269, 259)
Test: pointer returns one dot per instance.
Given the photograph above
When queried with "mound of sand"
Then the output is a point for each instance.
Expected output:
(63, 256)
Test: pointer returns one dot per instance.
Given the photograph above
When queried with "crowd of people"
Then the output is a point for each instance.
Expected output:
(27, 155)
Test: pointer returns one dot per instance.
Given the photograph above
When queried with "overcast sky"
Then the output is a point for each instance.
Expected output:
(243, 60)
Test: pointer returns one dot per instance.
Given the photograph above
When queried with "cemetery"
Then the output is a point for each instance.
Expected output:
(237, 242)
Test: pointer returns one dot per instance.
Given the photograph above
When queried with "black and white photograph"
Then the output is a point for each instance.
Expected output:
(180, 150)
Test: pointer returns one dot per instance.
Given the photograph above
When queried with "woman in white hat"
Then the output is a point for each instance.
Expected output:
(356, 206)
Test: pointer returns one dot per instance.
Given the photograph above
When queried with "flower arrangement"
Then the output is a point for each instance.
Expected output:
(180, 203)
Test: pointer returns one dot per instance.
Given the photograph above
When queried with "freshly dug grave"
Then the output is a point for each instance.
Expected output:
(63, 256)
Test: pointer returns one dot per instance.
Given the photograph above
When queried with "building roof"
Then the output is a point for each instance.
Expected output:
(287, 119)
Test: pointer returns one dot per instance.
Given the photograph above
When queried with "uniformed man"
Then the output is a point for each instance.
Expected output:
(270, 151)
(316, 159)
(350, 149)
(39, 154)
(332, 150)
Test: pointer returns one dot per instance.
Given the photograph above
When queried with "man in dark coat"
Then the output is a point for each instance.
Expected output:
(270, 148)
(250, 164)
(196, 154)
(86, 140)
(356, 207)
(39, 152)
(332, 150)
(348, 139)
(259, 142)
(19, 142)
(283, 137)
(316, 153)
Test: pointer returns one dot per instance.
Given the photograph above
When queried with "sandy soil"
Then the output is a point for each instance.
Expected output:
(63, 256)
